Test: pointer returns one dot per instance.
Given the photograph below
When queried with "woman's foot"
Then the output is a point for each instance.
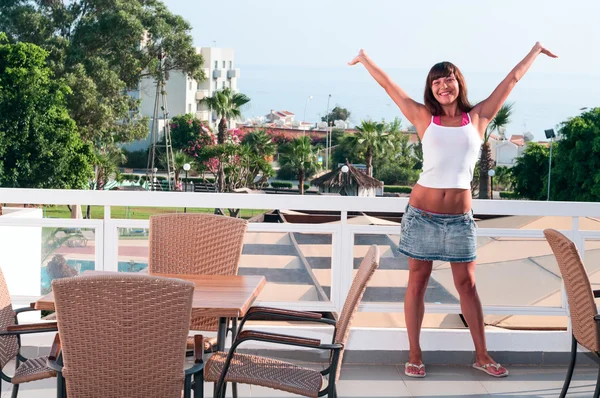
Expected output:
(486, 364)
(414, 370)
(414, 367)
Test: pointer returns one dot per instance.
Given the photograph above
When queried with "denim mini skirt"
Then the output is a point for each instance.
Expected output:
(438, 237)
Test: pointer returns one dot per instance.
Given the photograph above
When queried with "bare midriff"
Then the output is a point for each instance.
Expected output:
(441, 200)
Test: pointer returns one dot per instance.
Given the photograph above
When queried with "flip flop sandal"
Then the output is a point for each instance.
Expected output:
(485, 368)
(416, 375)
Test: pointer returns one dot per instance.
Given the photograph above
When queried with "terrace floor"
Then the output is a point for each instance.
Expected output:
(390, 381)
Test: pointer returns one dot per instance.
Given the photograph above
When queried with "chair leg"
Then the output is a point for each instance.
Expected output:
(563, 393)
(15, 391)
(199, 384)
(234, 324)
(597, 391)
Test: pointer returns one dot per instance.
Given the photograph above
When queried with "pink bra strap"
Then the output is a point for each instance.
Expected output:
(465, 119)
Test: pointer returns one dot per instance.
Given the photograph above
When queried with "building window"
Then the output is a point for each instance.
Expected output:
(197, 106)
(223, 64)
(216, 64)
(216, 85)
(230, 64)
(223, 85)
(190, 85)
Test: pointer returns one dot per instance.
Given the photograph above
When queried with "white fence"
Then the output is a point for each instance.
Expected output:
(107, 231)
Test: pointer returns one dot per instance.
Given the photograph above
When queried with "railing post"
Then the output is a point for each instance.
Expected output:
(343, 276)
(111, 243)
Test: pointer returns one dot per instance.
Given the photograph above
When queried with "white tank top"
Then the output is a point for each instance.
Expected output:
(449, 155)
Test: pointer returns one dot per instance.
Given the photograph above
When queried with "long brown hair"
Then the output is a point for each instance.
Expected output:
(445, 69)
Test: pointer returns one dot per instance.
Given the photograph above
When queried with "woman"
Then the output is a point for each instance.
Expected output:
(438, 223)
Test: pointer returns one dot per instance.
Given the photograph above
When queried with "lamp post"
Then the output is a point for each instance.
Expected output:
(551, 135)
(327, 135)
(304, 116)
(492, 173)
(186, 168)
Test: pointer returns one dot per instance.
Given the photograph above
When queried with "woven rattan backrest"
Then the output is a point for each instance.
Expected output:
(366, 270)
(196, 244)
(582, 307)
(9, 345)
(123, 335)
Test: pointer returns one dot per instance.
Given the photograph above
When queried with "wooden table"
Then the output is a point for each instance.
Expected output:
(221, 296)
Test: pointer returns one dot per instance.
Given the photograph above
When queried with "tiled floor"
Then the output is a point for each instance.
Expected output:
(389, 381)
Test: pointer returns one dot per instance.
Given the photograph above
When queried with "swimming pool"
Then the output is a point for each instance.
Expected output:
(86, 265)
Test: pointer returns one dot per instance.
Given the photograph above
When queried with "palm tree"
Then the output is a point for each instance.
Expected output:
(299, 156)
(486, 162)
(179, 159)
(260, 143)
(373, 139)
(227, 105)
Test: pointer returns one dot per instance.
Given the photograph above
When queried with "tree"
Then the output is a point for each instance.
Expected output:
(39, 144)
(531, 172)
(486, 162)
(398, 167)
(337, 113)
(374, 139)
(103, 49)
(185, 129)
(261, 143)
(228, 106)
(299, 156)
(576, 159)
(179, 159)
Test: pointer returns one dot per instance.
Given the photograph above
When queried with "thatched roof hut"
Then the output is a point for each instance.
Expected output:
(350, 183)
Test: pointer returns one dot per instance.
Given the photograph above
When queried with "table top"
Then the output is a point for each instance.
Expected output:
(215, 295)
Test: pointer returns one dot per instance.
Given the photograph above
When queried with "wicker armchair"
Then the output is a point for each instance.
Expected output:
(223, 367)
(195, 244)
(585, 321)
(26, 370)
(124, 336)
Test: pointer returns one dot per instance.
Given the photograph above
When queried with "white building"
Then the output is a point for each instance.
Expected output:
(506, 151)
(184, 93)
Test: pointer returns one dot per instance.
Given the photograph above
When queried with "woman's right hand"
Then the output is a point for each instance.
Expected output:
(361, 55)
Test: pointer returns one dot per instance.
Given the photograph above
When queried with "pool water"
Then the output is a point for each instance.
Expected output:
(86, 265)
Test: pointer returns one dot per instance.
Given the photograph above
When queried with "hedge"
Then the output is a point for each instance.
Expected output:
(282, 184)
(397, 189)
(508, 195)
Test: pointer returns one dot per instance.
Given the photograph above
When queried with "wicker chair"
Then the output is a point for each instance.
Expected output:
(124, 336)
(224, 367)
(194, 244)
(26, 370)
(585, 321)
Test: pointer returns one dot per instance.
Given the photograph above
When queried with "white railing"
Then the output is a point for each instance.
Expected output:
(107, 230)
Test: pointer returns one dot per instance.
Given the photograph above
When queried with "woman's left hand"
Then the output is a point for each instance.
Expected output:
(543, 50)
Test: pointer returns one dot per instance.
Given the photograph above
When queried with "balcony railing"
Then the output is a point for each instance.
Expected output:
(331, 248)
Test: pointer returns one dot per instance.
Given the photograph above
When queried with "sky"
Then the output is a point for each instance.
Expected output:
(484, 38)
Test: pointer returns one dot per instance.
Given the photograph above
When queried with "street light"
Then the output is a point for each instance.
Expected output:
(186, 168)
(492, 173)
(551, 135)
(304, 117)
(327, 135)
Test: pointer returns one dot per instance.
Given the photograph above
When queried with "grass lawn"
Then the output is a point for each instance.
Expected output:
(136, 213)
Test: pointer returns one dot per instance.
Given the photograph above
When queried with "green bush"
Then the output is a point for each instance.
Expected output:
(136, 159)
(199, 180)
(306, 186)
(282, 184)
(397, 189)
(508, 195)
(286, 172)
